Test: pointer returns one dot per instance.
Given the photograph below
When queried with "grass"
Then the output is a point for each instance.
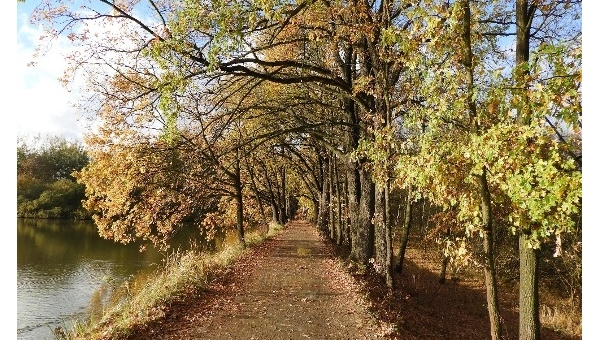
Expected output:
(145, 297)
(556, 311)
(562, 318)
(303, 251)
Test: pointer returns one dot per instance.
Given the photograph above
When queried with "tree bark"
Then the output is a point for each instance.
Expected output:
(379, 225)
(354, 191)
(323, 222)
(275, 211)
(330, 206)
(239, 206)
(529, 321)
(346, 215)
(484, 193)
(365, 232)
(488, 249)
(389, 275)
(405, 230)
(283, 199)
(383, 234)
(339, 221)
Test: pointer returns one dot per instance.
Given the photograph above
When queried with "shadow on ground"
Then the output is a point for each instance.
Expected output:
(422, 308)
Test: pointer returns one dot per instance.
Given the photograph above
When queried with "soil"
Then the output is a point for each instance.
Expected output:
(298, 286)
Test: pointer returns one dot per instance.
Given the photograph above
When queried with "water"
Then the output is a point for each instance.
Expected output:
(61, 264)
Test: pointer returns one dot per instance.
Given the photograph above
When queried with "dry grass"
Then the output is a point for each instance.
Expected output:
(562, 318)
(422, 308)
(146, 296)
(303, 251)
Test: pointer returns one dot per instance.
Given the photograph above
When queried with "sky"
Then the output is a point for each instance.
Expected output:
(38, 104)
(44, 105)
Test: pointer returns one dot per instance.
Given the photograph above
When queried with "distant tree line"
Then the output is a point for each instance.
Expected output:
(45, 185)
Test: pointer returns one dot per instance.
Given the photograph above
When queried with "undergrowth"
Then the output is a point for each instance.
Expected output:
(562, 317)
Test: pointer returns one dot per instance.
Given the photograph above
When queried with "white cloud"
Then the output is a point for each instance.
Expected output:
(43, 105)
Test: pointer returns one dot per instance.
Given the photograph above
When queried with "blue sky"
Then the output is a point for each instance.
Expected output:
(44, 104)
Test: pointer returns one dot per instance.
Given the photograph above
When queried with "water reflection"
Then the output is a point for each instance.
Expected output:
(61, 263)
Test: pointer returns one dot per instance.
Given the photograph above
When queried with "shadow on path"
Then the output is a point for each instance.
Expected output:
(291, 287)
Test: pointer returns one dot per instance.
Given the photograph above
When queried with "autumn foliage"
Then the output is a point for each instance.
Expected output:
(241, 113)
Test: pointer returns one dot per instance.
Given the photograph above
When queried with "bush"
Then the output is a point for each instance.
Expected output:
(60, 199)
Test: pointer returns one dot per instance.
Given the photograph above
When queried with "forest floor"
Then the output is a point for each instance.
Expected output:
(299, 286)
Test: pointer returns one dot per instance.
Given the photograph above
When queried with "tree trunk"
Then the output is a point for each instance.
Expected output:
(365, 232)
(379, 225)
(323, 222)
(283, 199)
(424, 217)
(346, 214)
(280, 197)
(389, 277)
(486, 205)
(445, 260)
(332, 220)
(529, 317)
(239, 207)
(489, 266)
(339, 221)
(354, 191)
(272, 197)
(315, 213)
(405, 230)
(258, 198)
(383, 234)
(275, 211)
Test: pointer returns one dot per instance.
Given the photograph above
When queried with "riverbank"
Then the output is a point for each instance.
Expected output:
(147, 298)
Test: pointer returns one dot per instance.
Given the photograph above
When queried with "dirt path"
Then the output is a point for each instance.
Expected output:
(289, 288)
(295, 287)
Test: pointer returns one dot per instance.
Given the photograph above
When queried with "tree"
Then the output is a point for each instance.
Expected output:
(45, 185)
(547, 176)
